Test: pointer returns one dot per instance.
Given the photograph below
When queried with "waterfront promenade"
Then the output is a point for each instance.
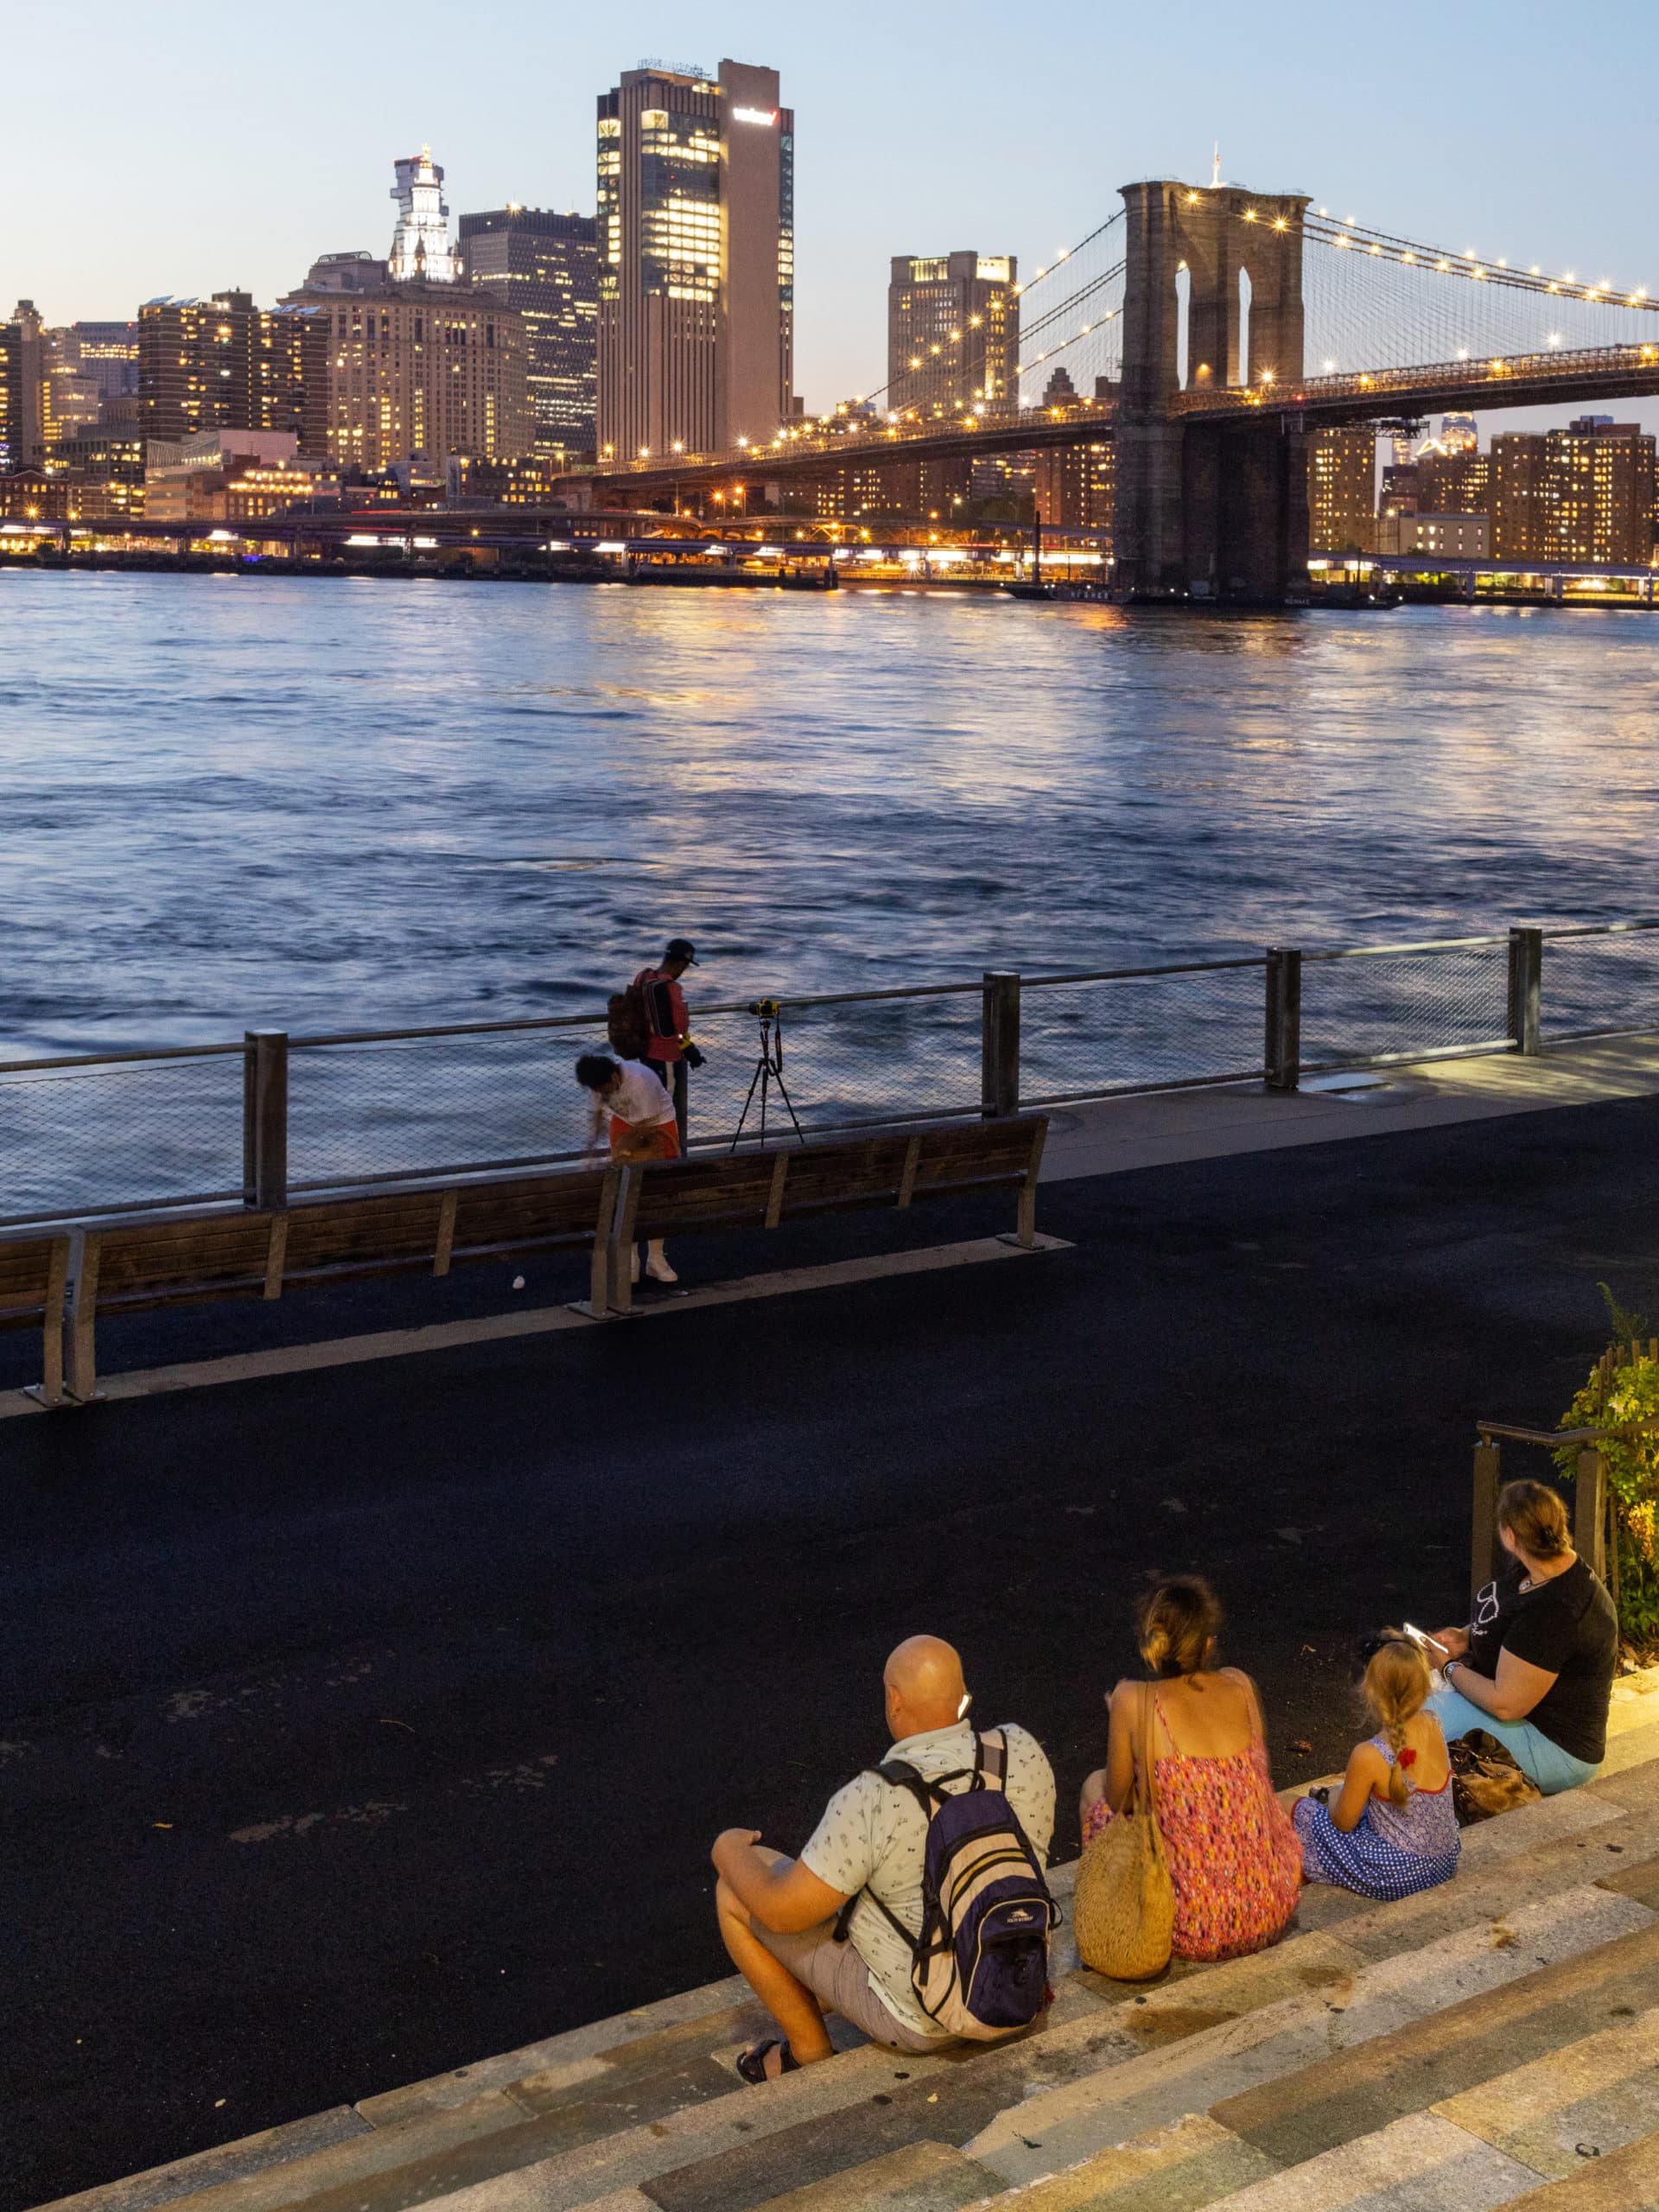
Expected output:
(328, 1683)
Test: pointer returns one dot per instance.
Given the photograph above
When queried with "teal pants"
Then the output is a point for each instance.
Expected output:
(1550, 1767)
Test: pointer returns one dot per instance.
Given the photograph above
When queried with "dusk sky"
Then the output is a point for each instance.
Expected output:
(181, 148)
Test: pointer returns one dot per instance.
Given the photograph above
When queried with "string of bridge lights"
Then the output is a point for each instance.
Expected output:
(1350, 235)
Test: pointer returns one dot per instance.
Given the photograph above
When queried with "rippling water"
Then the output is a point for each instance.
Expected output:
(233, 802)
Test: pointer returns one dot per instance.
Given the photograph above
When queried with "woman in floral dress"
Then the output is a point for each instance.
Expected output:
(1233, 1857)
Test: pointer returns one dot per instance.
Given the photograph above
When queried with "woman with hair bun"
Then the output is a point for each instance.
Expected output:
(1234, 1859)
(1393, 1831)
(1534, 1666)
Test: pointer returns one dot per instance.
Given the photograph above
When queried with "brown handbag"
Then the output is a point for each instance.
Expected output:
(1486, 1778)
(1124, 1908)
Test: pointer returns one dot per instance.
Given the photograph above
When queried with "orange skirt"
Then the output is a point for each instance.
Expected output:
(665, 1136)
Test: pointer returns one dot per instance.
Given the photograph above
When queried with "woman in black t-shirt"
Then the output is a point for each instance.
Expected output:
(1534, 1666)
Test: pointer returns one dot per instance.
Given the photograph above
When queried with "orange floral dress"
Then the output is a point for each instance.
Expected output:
(1235, 1857)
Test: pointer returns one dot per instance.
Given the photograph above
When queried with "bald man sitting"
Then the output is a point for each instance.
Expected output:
(777, 1915)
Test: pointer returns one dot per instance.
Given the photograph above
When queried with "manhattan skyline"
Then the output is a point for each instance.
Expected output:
(916, 134)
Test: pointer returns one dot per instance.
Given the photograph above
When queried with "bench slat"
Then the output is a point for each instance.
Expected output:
(25, 1277)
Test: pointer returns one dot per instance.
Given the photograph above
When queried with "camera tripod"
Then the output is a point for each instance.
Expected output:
(768, 1070)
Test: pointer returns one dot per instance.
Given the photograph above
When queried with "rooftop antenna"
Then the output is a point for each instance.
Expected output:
(1215, 169)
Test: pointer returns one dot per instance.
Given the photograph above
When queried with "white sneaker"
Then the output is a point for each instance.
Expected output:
(659, 1271)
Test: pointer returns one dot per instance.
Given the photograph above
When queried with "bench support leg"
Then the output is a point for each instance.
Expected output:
(49, 1390)
(83, 1314)
(618, 1197)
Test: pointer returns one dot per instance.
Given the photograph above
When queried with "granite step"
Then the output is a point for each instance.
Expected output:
(1450, 2052)
(1580, 2103)
(1384, 2004)
(1487, 2146)
(1628, 2181)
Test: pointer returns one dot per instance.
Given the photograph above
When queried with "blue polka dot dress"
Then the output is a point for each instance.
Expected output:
(1395, 1851)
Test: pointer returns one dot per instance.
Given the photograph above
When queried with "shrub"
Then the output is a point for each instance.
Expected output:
(1620, 1390)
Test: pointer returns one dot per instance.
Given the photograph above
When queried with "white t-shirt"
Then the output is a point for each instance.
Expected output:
(639, 1098)
(873, 1835)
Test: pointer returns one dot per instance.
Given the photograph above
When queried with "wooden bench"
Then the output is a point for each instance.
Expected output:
(33, 1273)
(767, 1188)
(134, 1266)
(131, 1266)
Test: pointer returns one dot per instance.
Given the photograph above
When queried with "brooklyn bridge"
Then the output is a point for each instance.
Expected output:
(1207, 330)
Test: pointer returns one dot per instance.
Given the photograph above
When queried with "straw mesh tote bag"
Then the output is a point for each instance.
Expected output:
(1124, 1908)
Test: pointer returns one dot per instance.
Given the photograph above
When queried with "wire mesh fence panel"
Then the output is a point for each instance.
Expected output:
(1129, 1033)
(1603, 982)
(123, 1132)
(862, 1061)
(1372, 1008)
(424, 1105)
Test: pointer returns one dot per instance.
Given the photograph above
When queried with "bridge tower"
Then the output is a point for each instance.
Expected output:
(1220, 507)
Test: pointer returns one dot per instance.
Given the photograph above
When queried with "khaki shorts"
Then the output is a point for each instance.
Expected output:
(841, 1981)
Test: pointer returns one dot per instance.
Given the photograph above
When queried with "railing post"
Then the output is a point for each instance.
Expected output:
(1282, 1067)
(1483, 1520)
(1526, 987)
(677, 1090)
(264, 1119)
(998, 1084)
(1590, 1511)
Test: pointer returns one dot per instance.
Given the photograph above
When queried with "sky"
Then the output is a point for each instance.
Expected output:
(182, 147)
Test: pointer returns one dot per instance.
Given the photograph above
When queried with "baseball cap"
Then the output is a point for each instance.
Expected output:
(681, 948)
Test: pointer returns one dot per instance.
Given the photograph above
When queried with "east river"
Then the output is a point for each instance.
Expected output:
(229, 801)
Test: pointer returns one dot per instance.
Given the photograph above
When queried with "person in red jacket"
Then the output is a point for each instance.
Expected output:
(671, 1045)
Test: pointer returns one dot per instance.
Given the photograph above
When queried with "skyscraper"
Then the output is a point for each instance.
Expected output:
(219, 363)
(409, 374)
(953, 334)
(546, 266)
(26, 376)
(697, 259)
(419, 245)
(1342, 489)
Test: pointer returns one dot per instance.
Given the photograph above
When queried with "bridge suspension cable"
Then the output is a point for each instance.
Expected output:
(1375, 301)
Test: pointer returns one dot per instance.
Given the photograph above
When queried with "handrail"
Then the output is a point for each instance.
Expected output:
(1553, 1437)
(595, 1017)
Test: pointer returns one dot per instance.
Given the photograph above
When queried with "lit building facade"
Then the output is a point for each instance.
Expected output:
(11, 395)
(108, 354)
(25, 373)
(696, 260)
(534, 480)
(1584, 494)
(231, 476)
(1454, 536)
(1601, 492)
(420, 243)
(546, 265)
(219, 364)
(953, 334)
(1342, 489)
(410, 374)
(1454, 479)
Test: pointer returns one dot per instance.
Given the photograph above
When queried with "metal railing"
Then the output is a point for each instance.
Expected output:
(274, 1114)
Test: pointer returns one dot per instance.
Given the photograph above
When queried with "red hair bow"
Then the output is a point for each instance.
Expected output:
(1408, 1757)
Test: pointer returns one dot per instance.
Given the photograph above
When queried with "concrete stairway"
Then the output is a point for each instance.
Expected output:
(1495, 2042)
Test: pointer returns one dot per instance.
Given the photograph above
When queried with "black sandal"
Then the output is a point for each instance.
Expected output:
(752, 2063)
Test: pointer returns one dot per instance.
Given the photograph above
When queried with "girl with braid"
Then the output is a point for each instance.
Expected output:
(1392, 1830)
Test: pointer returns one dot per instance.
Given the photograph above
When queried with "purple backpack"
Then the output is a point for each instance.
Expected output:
(980, 1962)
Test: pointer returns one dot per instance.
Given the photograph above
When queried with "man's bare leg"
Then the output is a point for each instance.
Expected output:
(790, 2002)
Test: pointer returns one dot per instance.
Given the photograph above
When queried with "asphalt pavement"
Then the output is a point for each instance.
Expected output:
(360, 1723)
